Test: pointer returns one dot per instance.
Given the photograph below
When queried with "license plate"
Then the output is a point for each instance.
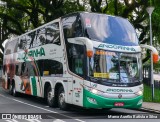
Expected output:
(118, 104)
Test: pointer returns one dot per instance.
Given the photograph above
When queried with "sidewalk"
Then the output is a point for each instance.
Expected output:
(155, 107)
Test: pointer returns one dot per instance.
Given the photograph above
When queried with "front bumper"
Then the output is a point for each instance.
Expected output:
(91, 100)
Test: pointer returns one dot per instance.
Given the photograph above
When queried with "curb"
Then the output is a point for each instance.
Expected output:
(148, 110)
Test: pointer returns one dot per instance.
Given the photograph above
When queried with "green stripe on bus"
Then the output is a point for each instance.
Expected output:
(34, 86)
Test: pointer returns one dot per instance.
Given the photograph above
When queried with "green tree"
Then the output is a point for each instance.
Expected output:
(20, 16)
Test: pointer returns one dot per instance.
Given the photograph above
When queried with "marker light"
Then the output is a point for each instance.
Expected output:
(155, 58)
(94, 91)
(89, 53)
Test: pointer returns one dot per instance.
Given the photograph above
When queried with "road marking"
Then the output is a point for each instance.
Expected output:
(51, 117)
(2, 95)
(32, 120)
(79, 120)
(58, 120)
(42, 108)
(47, 110)
(34, 106)
(11, 120)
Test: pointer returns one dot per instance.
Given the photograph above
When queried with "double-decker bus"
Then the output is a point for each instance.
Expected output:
(85, 59)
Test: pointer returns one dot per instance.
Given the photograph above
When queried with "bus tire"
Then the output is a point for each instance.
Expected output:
(10, 88)
(15, 93)
(50, 100)
(61, 99)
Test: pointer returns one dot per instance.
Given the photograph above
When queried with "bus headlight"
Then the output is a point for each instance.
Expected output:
(139, 93)
(94, 91)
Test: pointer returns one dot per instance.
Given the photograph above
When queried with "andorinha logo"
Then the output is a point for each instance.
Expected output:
(32, 53)
(119, 90)
(119, 47)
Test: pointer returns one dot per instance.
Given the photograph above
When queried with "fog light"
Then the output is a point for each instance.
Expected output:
(140, 102)
(91, 100)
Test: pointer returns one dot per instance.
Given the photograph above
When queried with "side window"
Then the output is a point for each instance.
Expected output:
(11, 47)
(40, 64)
(25, 69)
(22, 43)
(41, 36)
(4, 69)
(48, 35)
(78, 28)
(50, 67)
(68, 26)
(30, 38)
(18, 69)
(72, 27)
(76, 57)
(53, 34)
(56, 68)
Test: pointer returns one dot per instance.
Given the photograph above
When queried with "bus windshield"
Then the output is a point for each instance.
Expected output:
(109, 29)
(115, 66)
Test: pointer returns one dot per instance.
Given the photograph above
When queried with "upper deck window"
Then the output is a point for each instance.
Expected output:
(72, 27)
(109, 29)
(11, 47)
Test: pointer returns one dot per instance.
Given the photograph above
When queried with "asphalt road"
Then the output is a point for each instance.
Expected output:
(27, 106)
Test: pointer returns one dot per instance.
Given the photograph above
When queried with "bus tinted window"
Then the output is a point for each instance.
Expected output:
(48, 35)
(53, 34)
(68, 28)
(11, 47)
(72, 27)
(30, 39)
(76, 57)
(50, 67)
(22, 43)
(109, 29)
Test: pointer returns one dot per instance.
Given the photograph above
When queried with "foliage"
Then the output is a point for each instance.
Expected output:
(19, 16)
(148, 94)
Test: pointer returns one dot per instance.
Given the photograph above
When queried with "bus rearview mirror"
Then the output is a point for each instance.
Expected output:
(154, 52)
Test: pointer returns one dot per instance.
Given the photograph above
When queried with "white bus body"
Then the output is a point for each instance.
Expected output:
(85, 59)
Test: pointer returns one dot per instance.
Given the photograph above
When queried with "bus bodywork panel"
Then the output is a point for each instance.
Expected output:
(110, 78)
(96, 101)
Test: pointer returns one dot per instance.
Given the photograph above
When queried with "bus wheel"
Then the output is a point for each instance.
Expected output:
(15, 94)
(10, 89)
(61, 99)
(50, 99)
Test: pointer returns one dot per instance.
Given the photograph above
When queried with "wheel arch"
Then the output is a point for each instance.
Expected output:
(54, 86)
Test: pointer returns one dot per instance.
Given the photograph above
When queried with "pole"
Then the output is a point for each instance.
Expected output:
(150, 10)
(152, 81)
